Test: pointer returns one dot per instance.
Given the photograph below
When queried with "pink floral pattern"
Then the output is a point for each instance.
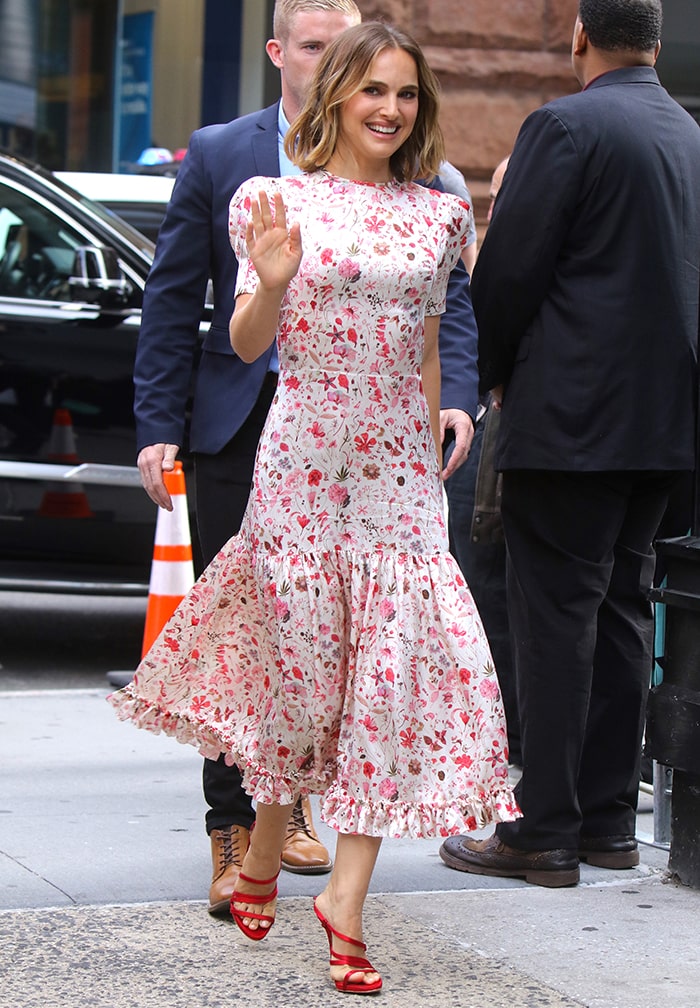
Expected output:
(333, 645)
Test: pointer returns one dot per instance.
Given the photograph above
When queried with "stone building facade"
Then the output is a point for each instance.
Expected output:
(497, 60)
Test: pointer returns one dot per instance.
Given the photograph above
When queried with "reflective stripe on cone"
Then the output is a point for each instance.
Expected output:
(172, 570)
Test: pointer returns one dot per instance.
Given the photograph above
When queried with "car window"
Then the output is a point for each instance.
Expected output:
(145, 217)
(115, 222)
(37, 248)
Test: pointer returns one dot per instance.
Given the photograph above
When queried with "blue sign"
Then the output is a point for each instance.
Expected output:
(135, 104)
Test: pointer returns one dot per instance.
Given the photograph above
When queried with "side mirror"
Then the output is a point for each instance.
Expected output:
(98, 278)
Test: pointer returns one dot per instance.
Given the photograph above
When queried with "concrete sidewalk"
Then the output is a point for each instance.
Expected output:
(104, 868)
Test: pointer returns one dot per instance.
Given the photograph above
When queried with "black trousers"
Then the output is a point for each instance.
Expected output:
(222, 487)
(580, 561)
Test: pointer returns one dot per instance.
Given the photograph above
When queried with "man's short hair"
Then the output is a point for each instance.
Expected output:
(286, 10)
(632, 25)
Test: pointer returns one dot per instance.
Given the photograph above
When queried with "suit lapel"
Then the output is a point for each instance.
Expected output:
(264, 143)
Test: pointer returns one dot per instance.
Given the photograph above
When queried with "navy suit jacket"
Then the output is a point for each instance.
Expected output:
(193, 245)
(586, 287)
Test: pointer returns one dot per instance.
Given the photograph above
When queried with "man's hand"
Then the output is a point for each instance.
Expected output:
(461, 423)
(153, 461)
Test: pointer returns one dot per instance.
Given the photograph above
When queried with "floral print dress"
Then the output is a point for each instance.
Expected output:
(333, 646)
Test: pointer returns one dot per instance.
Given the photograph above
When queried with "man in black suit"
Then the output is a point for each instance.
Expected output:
(586, 297)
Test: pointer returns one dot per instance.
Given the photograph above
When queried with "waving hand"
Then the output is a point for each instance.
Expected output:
(274, 250)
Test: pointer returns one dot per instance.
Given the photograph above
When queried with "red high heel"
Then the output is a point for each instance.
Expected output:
(255, 934)
(358, 964)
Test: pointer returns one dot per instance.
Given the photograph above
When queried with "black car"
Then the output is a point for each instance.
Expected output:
(139, 199)
(71, 286)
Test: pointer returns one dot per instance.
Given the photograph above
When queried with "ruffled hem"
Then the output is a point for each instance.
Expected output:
(129, 707)
(416, 820)
(339, 810)
(259, 783)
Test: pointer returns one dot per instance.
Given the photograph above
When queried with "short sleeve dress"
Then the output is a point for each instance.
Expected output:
(333, 646)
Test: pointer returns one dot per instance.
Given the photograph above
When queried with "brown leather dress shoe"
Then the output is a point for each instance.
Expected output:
(228, 847)
(617, 851)
(303, 852)
(551, 868)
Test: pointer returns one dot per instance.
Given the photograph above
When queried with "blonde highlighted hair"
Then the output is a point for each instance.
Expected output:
(342, 71)
(286, 11)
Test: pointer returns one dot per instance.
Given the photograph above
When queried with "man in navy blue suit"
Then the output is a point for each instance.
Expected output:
(586, 295)
(231, 398)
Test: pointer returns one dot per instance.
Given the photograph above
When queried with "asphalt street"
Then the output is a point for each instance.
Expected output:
(104, 870)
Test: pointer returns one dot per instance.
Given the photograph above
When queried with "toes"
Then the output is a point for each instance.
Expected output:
(355, 976)
(254, 923)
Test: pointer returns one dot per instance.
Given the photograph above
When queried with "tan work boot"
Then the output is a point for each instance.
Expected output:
(228, 847)
(303, 852)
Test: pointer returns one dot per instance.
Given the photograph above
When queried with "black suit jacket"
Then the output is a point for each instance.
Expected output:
(586, 286)
(193, 245)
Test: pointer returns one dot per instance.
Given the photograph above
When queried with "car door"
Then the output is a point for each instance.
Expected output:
(66, 363)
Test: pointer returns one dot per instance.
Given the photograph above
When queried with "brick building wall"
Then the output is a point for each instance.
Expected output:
(497, 60)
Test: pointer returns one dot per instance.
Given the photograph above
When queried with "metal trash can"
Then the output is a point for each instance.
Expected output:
(673, 710)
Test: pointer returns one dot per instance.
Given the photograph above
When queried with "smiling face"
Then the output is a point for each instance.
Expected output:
(377, 119)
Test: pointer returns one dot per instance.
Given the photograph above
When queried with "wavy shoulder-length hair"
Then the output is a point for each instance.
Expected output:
(342, 71)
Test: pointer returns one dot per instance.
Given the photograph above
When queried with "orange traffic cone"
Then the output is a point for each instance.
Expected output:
(64, 500)
(172, 571)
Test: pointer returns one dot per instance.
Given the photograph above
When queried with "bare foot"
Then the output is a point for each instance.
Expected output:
(340, 923)
(257, 879)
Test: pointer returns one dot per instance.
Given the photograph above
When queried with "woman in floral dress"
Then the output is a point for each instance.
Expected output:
(333, 646)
